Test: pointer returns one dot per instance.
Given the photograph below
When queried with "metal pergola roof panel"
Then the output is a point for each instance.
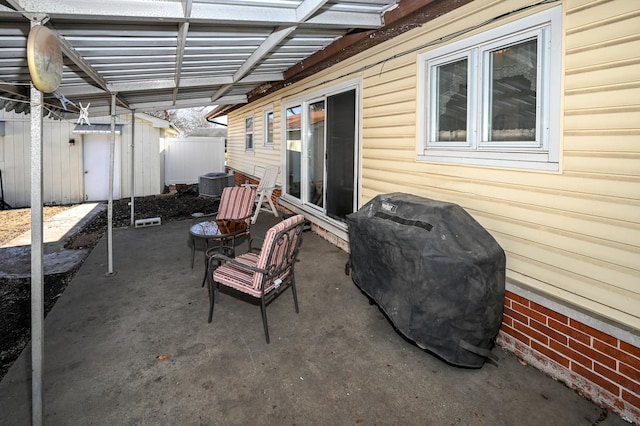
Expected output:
(167, 54)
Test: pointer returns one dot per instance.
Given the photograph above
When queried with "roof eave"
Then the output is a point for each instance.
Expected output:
(408, 15)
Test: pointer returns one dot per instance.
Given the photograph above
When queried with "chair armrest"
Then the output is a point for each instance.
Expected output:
(219, 257)
(257, 249)
(250, 185)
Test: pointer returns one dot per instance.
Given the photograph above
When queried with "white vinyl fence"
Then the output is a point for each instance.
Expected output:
(188, 158)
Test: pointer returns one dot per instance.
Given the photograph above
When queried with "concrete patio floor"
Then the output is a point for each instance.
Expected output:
(135, 348)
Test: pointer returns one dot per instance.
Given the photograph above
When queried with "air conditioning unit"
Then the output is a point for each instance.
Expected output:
(212, 184)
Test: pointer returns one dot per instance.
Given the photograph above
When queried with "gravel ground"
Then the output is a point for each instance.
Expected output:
(15, 305)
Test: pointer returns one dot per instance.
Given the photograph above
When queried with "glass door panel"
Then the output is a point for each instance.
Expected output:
(315, 153)
(294, 150)
(341, 148)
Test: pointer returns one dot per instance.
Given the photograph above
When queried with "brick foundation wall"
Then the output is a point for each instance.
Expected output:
(599, 366)
(329, 236)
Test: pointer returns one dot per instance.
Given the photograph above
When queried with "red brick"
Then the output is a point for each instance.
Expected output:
(531, 333)
(518, 299)
(507, 320)
(550, 313)
(596, 379)
(631, 398)
(549, 332)
(553, 355)
(507, 302)
(617, 378)
(629, 371)
(516, 334)
(615, 353)
(570, 353)
(529, 312)
(516, 315)
(633, 350)
(593, 332)
(593, 354)
(571, 332)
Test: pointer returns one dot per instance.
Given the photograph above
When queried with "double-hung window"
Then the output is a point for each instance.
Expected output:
(267, 120)
(248, 133)
(493, 99)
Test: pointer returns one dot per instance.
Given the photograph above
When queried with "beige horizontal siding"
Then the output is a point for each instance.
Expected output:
(611, 163)
(588, 16)
(612, 97)
(603, 118)
(612, 140)
(602, 77)
(574, 234)
(603, 89)
(253, 162)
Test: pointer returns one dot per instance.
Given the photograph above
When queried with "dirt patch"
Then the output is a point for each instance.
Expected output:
(15, 296)
(15, 222)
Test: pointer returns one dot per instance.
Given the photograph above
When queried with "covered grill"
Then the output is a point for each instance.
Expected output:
(435, 271)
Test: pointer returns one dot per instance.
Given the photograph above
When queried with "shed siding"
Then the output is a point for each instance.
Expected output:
(147, 178)
(62, 161)
(63, 177)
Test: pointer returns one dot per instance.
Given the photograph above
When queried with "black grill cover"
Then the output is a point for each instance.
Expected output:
(435, 271)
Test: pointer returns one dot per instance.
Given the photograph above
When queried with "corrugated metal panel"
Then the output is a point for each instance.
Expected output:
(573, 234)
(150, 51)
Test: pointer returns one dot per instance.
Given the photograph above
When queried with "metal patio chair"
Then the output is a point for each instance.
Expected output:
(231, 222)
(262, 275)
(264, 190)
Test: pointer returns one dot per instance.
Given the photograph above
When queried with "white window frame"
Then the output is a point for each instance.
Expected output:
(541, 154)
(252, 133)
(265, 124)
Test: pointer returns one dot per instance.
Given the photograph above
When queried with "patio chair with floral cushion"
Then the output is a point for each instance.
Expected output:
(230, 223)
(263, 275)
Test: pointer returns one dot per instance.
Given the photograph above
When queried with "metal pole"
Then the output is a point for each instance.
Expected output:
(37, 259)
(111, 172)
(133, 167)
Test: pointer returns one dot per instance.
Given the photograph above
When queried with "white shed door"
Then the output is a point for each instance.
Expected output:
(96, 156)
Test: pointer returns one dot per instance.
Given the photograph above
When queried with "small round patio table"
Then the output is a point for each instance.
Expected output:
(224, 232)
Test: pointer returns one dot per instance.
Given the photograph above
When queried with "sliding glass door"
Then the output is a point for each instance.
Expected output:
(321, 153)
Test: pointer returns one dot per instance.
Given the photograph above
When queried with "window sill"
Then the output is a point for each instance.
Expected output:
(524, 161)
